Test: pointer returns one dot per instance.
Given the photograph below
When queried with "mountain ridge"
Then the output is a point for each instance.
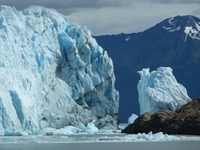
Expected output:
(174, 43)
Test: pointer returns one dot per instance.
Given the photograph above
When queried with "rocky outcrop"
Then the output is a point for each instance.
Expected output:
(185, 120)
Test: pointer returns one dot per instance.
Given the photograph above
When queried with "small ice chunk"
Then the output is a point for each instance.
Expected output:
(132, 118)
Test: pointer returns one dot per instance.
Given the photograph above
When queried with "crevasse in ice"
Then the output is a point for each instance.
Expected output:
(52, 74)
(159, 90)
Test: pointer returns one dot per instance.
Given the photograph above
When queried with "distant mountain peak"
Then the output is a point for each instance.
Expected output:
(189, 25)
(192, 28)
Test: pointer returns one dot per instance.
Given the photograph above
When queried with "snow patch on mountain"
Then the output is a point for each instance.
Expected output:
(170, 29)
(53, 74)
(170, 25)
(192, 32)
(160, 90)
(127, 38)
(171, 20)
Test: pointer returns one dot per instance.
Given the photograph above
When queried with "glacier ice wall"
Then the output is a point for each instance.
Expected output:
(52, 73)
(160, 90)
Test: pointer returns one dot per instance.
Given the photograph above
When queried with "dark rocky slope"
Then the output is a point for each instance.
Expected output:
(185, 120)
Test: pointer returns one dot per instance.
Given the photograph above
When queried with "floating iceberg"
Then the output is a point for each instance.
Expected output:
(68, 130)
(53, 74)
(159, 90)
(132, 118)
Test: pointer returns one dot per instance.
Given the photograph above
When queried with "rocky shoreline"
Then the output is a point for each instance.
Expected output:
(185, 120)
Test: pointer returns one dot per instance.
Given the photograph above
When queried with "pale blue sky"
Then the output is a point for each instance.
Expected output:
(115, 16)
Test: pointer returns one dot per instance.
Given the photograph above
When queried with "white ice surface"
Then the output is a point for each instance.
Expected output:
(160, 90)
(53, 74)
(132, 118)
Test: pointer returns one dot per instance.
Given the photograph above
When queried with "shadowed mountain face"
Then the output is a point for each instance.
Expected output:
(175, 43)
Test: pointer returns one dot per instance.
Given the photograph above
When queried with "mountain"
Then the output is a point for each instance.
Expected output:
(52, 74)
(174, 42)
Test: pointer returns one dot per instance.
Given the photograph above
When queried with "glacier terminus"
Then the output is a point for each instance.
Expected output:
(52, 74)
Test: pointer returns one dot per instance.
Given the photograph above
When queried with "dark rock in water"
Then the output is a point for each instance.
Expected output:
(185, 120)
(140, 125)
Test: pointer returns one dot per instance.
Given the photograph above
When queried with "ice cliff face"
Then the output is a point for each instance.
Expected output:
(159, 90)
(52, 73)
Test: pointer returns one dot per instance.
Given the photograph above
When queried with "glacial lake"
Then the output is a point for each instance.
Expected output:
(178, 145)
(101, 142)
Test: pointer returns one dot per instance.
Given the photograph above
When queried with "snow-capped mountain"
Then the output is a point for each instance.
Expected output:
(191, 24)
(52, 74)
(174, 42)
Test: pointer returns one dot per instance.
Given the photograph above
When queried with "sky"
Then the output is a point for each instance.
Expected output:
(115, 16)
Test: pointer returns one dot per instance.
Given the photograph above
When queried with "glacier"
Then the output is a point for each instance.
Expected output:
(159, 90)
(53, 74)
